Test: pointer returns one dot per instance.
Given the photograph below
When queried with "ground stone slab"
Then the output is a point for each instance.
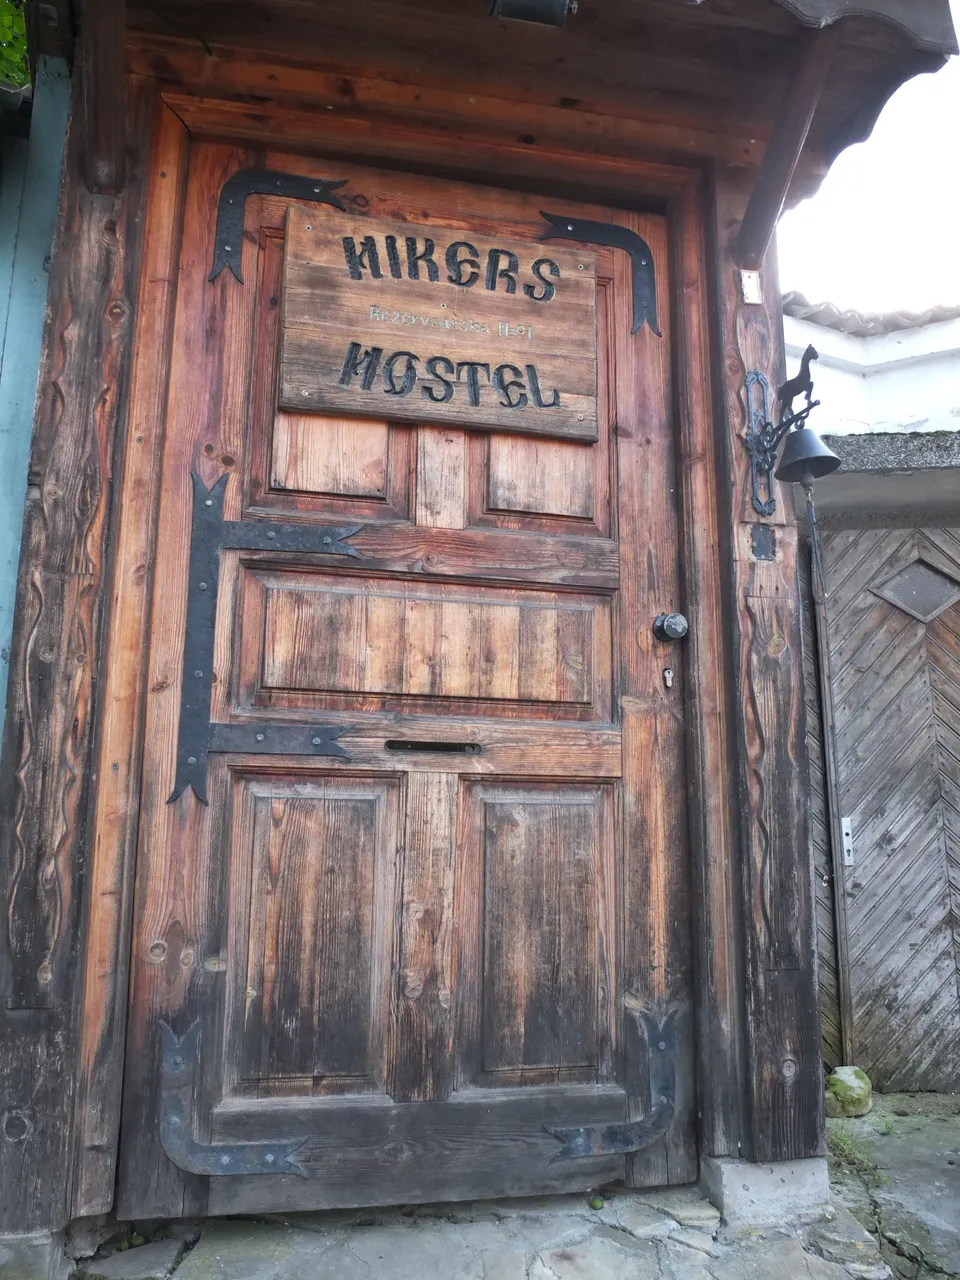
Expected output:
(154, 1261)
(914, 1201)
(598, 1259)
(234, 1250)
(685, 1205)
(843, 1240)
(772, 1258)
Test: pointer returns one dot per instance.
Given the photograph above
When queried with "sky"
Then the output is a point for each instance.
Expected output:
(883, 232)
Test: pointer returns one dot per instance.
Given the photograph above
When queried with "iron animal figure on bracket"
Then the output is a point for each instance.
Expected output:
(800, 384)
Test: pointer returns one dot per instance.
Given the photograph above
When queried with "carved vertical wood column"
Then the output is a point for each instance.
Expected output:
(47, 783)
(784, 1102)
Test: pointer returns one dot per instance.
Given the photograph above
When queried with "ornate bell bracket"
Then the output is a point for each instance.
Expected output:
(763, 437)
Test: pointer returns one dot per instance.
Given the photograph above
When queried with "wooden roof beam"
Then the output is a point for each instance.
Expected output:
(787, 137)
(102, 31)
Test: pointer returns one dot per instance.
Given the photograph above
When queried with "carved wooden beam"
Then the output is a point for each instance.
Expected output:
(787, 137)
(102, 26)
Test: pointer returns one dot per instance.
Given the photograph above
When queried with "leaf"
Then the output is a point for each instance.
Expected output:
(14, 66)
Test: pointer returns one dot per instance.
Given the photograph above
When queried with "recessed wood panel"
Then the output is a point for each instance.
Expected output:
(310, 950)
(308, 462)
(322, 634)
(541, 477)
(337, 456)
(542, 932)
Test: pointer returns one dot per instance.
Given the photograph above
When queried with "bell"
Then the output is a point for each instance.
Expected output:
(805, 458)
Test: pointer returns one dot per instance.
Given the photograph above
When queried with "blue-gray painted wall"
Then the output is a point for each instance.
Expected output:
(29, 194)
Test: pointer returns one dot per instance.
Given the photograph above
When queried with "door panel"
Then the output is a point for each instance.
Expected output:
(414, 958)
(891, 630)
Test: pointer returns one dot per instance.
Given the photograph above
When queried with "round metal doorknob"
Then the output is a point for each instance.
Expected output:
(670, 626)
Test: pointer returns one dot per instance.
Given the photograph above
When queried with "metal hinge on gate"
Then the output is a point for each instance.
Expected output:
(178, 1065)
(659, 1031)
(198, 735)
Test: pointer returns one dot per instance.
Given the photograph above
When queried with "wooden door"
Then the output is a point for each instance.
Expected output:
(891, 626)
(429, 936)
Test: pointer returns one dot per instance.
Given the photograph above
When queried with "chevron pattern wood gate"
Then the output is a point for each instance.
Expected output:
(891, 620)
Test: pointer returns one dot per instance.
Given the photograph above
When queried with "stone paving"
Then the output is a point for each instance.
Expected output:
(664, 1235)
(898, 1170)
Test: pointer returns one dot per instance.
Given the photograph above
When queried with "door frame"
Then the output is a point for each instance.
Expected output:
(681, 192)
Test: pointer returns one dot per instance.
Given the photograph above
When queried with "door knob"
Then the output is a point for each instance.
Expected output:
(670, 626)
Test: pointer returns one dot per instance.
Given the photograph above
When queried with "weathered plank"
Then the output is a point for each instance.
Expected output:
(46, 787)
(657, 957)
(783, 1068)
(710, 765)
(104, 991)
(102, 30)
(421, 324)
(831, 1022)
(896, 708)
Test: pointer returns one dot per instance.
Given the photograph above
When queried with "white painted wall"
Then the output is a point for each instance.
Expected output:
(903, 381)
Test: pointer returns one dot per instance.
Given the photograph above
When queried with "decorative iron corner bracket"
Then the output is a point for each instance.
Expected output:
(198, 736)
(178, 1064)
(228, 241)
(659, 1031)
(644, 279)
(762, 439)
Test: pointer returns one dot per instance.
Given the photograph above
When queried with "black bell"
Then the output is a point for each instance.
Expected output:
(805, 458)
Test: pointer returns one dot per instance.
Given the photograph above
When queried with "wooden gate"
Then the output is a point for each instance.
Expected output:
(411, 913)
(891, 623)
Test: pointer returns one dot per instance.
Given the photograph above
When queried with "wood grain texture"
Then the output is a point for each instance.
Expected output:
(390, 640)
(710, 715)
(104, 995)
(308, 945)
(824, 881)
(102, 30)
(656, 962)
(441, 478)
(308, 462)
(785, 145)
(421, 1025)
(543, 869)
(46, 787)
(420, 324)
(783, 1067)
(896, 708)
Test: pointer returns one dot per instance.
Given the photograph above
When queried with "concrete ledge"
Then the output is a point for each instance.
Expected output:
(887, 451)
(749, 1195)
(33, 1257)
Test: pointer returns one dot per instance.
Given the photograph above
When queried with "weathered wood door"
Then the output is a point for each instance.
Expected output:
(386, 974)
(891, 622)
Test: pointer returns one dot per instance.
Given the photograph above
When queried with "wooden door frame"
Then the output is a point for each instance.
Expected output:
(744, 732)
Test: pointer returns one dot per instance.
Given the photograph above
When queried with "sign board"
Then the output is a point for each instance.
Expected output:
(424, 324)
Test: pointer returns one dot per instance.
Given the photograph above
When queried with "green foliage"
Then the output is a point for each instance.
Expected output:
(14, 68)
(850, 1154)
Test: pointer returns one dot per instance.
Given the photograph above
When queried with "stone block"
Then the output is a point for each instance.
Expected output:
(154, 1261)
(749, 1195)
(687, 1206)
(851, 1088)
(841, 1239)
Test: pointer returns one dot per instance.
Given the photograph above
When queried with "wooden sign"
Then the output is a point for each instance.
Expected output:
(424, 324)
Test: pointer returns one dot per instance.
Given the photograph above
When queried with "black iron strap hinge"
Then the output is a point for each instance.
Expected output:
(659, 1032)
(198, 735)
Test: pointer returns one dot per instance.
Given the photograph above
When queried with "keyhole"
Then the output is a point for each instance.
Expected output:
(668, 677)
